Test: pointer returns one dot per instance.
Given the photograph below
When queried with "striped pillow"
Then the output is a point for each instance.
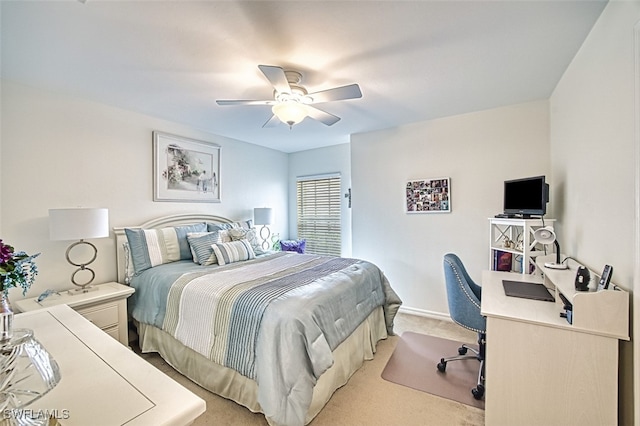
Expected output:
(153, 247)
(234, 251)
(201, 243)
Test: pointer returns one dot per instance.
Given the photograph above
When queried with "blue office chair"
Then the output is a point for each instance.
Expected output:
(464, 297)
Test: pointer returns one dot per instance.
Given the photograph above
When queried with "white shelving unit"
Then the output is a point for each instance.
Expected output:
(524, 249)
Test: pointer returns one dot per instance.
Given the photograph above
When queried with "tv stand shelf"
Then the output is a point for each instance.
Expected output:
(520, 232)
(604, 312)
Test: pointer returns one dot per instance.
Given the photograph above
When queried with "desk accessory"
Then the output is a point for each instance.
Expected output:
(605, 278)
(547, 235)
(583, 277)
(568, 309)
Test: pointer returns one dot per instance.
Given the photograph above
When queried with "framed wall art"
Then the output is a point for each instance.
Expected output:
(185, 170)
(428, 196)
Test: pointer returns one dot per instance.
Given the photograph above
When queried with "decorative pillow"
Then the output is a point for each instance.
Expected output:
(201, 243)
(212, 227)
(192, 235)
(234, 251)
(225, 237)
(153, 247)
(128, 269)
(293, 245)
(249, 235)
(245, 224)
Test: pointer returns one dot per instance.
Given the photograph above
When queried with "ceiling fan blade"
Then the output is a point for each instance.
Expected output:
(243, 102)
(272, 122)
(350, 91)
(322, 116)
(276, 77)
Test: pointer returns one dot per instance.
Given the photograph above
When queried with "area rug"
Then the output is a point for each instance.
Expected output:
(413, 364)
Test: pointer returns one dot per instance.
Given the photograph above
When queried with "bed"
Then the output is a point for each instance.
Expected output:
(277, 332)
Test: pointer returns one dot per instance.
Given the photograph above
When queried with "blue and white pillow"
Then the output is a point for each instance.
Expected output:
(201, 243)
(153, 247)
(234, 251)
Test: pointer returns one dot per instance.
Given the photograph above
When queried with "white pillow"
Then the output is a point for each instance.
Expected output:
(249, 235)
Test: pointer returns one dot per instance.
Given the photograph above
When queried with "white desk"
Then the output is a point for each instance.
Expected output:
(104, 382)
(541, 370)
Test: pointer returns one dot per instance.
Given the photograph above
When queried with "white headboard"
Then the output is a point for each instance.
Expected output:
(123, 259)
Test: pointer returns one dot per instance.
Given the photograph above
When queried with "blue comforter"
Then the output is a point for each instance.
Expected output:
(275, 319)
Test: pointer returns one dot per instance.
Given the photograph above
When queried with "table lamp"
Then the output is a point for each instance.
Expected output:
(546, 236)
(79, 224)
(263, 216)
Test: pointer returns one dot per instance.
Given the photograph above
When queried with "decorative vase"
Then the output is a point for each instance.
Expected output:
(27, 372)
(6, 317)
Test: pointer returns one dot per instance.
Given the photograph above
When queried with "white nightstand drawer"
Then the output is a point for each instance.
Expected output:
(113, 331)
(103, 316)
(105, 305)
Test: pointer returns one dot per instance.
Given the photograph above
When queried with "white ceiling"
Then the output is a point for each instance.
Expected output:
(413, 60)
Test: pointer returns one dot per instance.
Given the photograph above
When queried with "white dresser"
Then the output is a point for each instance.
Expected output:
(104, 382)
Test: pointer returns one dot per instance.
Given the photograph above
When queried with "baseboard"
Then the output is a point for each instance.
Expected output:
(425, 313)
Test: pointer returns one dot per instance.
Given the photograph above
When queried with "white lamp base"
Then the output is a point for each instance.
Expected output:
(83, 290)
(265, 233)
(555, 265)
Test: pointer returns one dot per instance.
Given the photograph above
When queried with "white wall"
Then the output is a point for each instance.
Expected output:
(59, 151)
(332, 159)
(594, 164)
(478, 152)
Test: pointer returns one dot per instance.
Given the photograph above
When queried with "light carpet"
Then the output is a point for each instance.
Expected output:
(413, 364)
(367, 400)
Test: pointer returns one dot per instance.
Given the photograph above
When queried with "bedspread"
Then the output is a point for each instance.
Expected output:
(275, 320)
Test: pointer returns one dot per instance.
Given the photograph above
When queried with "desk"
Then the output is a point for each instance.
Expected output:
(104, 382)
(541, 370)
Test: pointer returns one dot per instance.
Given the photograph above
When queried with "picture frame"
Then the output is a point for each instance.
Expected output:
(428, 195)
(185, 170)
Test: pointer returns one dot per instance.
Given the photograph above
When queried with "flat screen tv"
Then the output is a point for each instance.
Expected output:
(526, 197)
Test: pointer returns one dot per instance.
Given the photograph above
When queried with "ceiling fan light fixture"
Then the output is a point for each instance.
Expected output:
(290, 112)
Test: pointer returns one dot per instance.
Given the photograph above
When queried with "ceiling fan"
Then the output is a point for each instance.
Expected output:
(291, 102)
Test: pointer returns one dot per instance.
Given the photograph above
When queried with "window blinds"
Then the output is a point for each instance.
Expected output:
(319, 200)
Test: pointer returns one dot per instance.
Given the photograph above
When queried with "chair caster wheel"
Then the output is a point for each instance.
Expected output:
(478, 392)
(462, 350)
(442, 365)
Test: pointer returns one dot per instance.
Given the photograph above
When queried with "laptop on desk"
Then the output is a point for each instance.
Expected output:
(526, 290)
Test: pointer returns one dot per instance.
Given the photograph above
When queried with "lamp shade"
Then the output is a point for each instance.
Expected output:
(78, 223)
(544, 235)
(263, 216)
(290, 112)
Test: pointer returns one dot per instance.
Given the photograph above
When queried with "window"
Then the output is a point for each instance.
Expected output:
(319, 199)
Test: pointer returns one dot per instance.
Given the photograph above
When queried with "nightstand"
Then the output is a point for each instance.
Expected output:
(105, 306)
